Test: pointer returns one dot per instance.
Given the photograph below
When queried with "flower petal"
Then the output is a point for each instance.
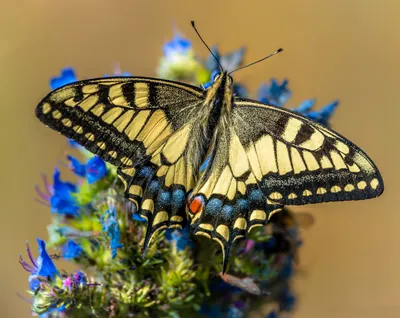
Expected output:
(44, 263)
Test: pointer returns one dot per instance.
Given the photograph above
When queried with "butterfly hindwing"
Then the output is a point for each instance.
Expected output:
(141, 125)
(227, 202)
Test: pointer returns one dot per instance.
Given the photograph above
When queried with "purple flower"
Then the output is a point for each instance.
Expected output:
(79, 278)
(43, 266)
(68, 283)
(249, 245)
(67, 76)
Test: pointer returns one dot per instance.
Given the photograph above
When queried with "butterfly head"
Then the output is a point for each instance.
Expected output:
(221, 89)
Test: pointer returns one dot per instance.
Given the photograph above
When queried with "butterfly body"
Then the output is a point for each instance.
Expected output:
(260, 157)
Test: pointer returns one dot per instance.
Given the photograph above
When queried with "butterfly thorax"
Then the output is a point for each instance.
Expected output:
(218, 102)
(216, 116)
(220, 95)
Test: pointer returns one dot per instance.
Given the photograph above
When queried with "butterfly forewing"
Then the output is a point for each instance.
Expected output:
(143, 126)
(297, 161)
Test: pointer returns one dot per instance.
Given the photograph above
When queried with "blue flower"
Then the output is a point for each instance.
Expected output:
(72, 233)
(272, 314)
(239, 90)
(113, 231)
(34, 282)
(62, 200)
(324, 114)
(111, 226)
(305, 106)
(73, 144)
(53, 312)
(278, 94)
(67, 76)
(229, 61)
(76, 166)
(137, 217)
(180, 237)
(287, 269)
(211, 310)
(94, 169)
(71, 250)
(43, 266)
(274, 94)
(179, 62)
(177, 46)
(287, 300)
(235, 312)
(79, 278)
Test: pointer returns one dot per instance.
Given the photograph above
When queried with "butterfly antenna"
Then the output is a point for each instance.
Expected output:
(258, 61)
(198, 34)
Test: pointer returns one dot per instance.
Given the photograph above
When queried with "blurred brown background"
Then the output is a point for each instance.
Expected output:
(333, 49)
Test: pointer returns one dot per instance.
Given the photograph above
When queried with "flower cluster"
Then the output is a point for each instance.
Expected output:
(94, 227)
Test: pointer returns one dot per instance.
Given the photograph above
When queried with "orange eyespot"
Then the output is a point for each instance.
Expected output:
(196, 205)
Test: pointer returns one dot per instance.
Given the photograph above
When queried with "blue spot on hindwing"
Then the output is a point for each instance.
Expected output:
(178, 199)
(165, 198)
(227, 212)
(256, 195)
(145, 172)
(154, 186)
(242, 205)
(214, 206)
